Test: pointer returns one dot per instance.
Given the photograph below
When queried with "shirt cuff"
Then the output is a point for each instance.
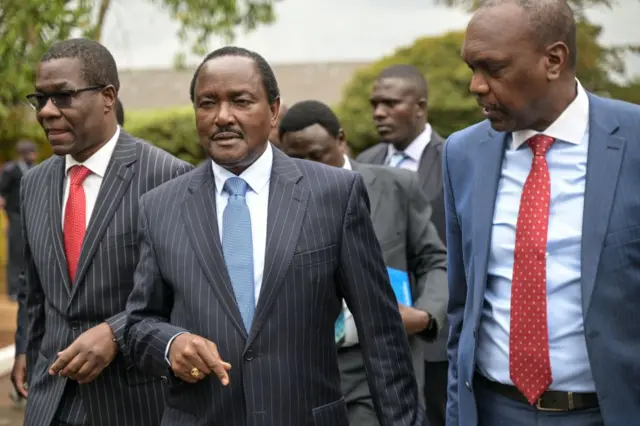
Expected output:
(166, 351)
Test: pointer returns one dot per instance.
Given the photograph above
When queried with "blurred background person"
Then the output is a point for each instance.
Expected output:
(399, 106)
(401, 216)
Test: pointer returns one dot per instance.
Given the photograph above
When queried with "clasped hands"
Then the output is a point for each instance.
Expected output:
(193, 358)
(87, 356)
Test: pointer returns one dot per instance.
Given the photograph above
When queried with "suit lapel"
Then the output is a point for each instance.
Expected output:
(375, 189)
(487, 169)
(380, 155)
(56, 180)
(285, 215)
(114, 185)
(428, 163)
(606, 151)
(200, 215)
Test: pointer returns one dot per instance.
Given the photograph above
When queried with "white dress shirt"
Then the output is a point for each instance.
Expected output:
(257, 176)
(98, 164)
(414, 151)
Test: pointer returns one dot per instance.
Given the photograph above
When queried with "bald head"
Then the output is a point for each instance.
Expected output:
(550, 21)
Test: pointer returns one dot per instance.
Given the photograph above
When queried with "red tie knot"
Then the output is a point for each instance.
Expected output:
(77, 175)
(540, 144)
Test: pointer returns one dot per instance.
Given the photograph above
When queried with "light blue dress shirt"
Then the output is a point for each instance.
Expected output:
(567, 160)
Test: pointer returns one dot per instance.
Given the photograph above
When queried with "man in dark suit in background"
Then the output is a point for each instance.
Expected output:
(79, 212)
(399, 101)
(243, 268)
(10, 194)
(401, 216)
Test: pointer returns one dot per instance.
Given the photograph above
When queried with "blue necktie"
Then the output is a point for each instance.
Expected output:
(237, 247)
(397, 159)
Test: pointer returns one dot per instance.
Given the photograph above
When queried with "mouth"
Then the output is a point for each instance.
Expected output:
(384, 128)
(54, 135)
(226, 136)
(491, 111)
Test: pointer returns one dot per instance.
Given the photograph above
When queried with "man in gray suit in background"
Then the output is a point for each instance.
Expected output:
(80, 214)
(243, 267)
(401, 217)
(400, 112)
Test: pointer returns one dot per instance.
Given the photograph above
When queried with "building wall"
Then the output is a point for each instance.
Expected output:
(163, 88)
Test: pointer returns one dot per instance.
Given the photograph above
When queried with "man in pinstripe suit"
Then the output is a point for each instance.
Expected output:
(243, 265)
(80, 211)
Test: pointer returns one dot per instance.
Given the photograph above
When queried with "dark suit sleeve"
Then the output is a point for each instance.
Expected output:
(365, 285)
(7, 175)
(31, 299)
(457, 291)
(427, 260)
(118, 321)
(148, 331)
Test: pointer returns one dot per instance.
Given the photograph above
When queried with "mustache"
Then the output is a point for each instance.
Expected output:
(228, 132)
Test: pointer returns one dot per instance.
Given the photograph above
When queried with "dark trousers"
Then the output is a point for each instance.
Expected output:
(498, 410)
(435, 391)
(15, 254)
(355, 388)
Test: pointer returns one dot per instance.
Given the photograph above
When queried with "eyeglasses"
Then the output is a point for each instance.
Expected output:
(61, 98)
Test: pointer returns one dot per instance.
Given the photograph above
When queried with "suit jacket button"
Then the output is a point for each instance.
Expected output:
(249, 355)
(74, 325)
(468, 385)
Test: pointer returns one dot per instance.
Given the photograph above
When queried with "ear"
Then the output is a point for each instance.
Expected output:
(557, 60)
(342, 139)
(275, 111)
(109, 95)
(422, 107)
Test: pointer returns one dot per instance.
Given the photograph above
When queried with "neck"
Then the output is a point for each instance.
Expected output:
(402, 145)
(86, 153)
(564, 94)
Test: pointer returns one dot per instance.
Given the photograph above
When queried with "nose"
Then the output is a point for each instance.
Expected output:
(49, 110)
(478, 84)
(224, 117)
(379, 111)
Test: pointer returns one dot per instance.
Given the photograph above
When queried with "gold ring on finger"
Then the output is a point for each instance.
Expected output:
(195, 373)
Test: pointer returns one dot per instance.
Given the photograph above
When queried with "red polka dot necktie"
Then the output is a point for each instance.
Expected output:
(529, 363)
(75, 218)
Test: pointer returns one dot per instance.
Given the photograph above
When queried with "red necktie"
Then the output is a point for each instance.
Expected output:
(529, 363)
(75, 217)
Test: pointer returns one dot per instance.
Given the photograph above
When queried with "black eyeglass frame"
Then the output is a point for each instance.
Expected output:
(60, 98)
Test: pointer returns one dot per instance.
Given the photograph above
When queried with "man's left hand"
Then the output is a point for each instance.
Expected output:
(414, 320)
(87, 356)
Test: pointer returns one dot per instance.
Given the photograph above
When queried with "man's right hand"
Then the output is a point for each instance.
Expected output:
(19, 374)
(189, 351)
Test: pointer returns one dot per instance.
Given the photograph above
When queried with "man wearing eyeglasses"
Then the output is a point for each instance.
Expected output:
(80, 211)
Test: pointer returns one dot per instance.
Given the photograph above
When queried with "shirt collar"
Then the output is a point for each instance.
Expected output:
(417, 147)
(256, 175)
(99, 161)
(570, 127)
(347, 163)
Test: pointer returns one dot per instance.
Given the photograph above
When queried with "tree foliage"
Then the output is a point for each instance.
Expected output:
(451, 106)
(29, 27)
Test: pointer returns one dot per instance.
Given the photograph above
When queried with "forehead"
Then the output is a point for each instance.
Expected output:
(497, 32)
(307, 138)
(230, 74)
(64, 73)
(391, 88)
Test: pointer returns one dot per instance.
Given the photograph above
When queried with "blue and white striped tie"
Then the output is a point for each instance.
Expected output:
(397, 159)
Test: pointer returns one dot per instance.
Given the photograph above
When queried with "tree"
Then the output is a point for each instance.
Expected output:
(200, 20)
(451, 106)
(28, 27)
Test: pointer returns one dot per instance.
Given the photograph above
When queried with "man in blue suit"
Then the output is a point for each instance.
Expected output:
(543, 233)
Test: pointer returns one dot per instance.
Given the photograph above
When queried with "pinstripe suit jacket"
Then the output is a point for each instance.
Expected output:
(321, 247)
(59, 311)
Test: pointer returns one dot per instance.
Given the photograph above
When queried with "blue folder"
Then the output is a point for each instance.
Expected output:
(401, 287)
